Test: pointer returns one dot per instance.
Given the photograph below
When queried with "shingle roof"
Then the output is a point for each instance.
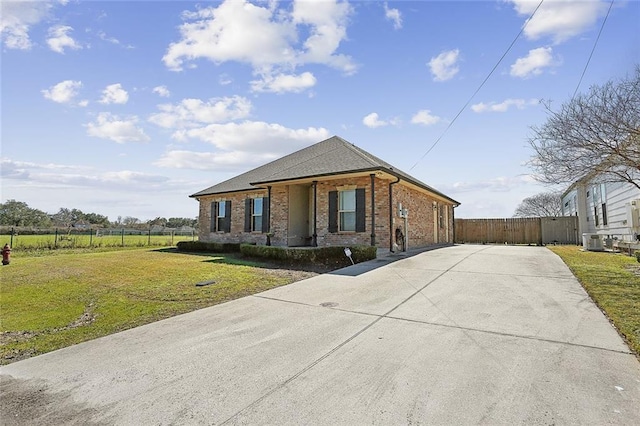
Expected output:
(332, 156)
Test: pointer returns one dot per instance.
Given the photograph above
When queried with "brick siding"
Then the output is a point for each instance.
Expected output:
(420, 219)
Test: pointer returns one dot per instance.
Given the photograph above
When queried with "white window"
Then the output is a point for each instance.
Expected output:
(256, 214)
(347, 210)
(220, 214)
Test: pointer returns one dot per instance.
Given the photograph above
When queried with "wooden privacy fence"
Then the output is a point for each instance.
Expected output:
(533, 230)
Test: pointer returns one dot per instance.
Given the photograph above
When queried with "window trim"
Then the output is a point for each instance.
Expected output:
(341, 192)
(254, 228)
(220, 208)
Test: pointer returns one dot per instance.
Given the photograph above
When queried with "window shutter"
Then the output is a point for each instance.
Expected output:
(227, 216)
(333, 211)
(360, 210)
(265, 214)
(214, 214)
(247, 215)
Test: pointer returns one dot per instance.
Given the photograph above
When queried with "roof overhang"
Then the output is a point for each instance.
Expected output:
(381, 173)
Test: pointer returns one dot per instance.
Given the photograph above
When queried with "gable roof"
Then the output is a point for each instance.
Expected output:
(333, 156)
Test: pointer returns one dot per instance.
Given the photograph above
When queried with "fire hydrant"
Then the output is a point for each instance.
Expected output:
(6, 254)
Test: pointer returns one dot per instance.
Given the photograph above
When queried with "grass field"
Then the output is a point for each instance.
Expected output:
(51, 241)
(613, 282)
(58, 298)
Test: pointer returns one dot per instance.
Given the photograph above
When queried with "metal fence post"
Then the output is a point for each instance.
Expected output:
(90, 237)
(55, 240)
(149, 239)
(122, 237)
(13, 231)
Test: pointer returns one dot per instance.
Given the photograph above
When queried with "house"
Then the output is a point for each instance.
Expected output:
(609, 209)
(328, 194)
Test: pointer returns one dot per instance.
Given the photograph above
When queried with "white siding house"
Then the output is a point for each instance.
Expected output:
(610, 209)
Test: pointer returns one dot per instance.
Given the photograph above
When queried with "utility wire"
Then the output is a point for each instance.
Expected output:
(592, 50)
(481, 85)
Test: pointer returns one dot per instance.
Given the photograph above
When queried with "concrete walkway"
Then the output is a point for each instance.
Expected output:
(459, 335)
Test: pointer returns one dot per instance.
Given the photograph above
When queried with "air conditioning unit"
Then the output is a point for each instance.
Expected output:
(592, 242)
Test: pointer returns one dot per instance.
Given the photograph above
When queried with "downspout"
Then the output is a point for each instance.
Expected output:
(391, 233)
(373, 208)
(314, 238)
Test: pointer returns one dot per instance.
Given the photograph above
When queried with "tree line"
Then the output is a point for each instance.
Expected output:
(18, 213)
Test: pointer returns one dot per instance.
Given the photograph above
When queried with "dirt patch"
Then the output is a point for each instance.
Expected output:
(27, 402)
(635, 269)
(7, 337)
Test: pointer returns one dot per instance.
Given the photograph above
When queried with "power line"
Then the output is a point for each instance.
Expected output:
(592, 50)
(481, 85)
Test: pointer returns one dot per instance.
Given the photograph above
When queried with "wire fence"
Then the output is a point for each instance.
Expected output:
(28, 238)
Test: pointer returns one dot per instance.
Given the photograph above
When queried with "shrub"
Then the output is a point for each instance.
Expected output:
(331, 256)
(208, 247)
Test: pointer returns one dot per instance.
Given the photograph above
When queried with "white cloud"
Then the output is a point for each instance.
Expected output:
(225, 79)
(109, 126)
(503, 106)
(64, 92)
(162, 91)
(218, 161)
(373, 120)
(193, 112)
(59, 39)
(273, 40)
(393, 15)
(112, 193)
(444, 66)
(498, 184)
(104, 37)
(282, 83)
(425, 118)
(255, 137)
(17, 18)
(534, 63)
(114, 94)
(63, 175)
(559, 19)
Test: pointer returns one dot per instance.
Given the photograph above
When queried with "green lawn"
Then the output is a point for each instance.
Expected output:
(21, 242)
(51, 301)
(610, 281)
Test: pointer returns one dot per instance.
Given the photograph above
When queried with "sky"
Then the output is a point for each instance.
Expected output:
(125, 108)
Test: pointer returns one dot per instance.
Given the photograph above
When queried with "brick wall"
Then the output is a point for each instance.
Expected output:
(420, 220)
(237, 233)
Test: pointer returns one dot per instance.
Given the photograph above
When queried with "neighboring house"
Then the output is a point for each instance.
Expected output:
(81, 225)
(610, 209)
(328, 194)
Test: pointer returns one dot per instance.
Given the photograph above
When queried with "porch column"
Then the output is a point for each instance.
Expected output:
(314, 237)
(373, 209)
(269, 209)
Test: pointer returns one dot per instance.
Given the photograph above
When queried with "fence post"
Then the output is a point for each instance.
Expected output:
(149, 239)
(171, 237)
(122, 237)
(90, 237)
(193, 235)
(55, 240)
(13, 231)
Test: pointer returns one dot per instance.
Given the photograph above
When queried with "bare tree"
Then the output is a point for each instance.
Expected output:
(594, 134)
(544, 204)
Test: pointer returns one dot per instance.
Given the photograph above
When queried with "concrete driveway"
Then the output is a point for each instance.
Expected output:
(459, 335)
